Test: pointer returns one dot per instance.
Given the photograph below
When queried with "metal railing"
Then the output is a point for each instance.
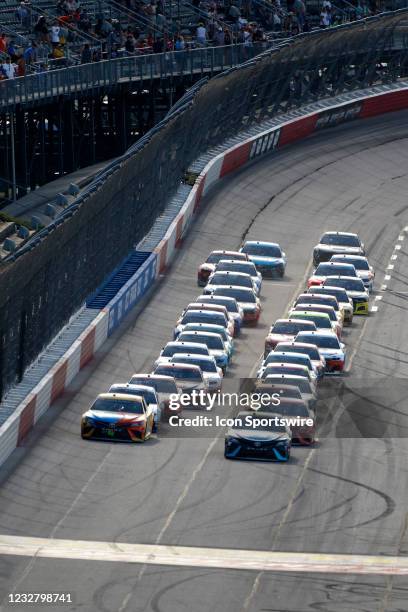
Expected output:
(137, 68)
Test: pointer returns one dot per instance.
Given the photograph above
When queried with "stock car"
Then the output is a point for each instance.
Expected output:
(149, 395)
(203, 316)
(214, 342)
(363, 268)
(291, 408)
(291, 358)
(208, 267)
(306, 389)
(290, 369)
(174, 347)
(188, 377)
(266, 442)
(226, 279)
(268, 257)
(320, 319)
(355, 290)
(330, 268)
(213, 329)
(213, 308)
(329, 346)
(212, 374)
(285, 330)
(165, 387)
(245, 267)
(247, 300)
(333, 243)
(311, 350)
(322, 308)
(118, 416)
(344, 301)
(230, 303)
(318, 298)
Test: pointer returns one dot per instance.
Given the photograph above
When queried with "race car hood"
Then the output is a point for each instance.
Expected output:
(114, 417)
(275, 338)
(257, 436)
(357, 294)
(329, 353)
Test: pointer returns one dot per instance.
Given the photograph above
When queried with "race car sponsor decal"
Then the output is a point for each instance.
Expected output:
(264, 144)
(339, 115)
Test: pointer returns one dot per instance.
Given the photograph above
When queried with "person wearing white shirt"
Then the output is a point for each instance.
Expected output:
(201, 34)
(9, 69)
(55, 34)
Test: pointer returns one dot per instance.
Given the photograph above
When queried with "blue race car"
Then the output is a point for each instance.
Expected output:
(268, 257)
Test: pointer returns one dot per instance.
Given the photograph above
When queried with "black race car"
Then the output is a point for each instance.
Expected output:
(255, 436)
(335, 243)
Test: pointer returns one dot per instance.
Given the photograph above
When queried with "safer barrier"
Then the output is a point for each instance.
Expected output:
(45, 282)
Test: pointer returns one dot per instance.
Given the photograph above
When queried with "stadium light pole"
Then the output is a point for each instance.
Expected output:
(13, 157)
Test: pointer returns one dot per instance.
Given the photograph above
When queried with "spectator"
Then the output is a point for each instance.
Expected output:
(55, 34)
(179, 44)
(300, 12)
(325, 18)
(11, 50)
(234, 13)
(41, 29)
(201, 34)
(21, 68)
(161, 21)
(9, 69)
(3, 43)
(219, 37)
(23, 14)
(86, 54)
(158, 45)
(130, 44)
(84, 22)
(30, 54)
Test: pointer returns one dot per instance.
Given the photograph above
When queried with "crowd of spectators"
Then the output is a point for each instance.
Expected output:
(73, 35)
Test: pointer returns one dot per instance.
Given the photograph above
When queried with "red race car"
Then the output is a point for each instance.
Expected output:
(208, 267)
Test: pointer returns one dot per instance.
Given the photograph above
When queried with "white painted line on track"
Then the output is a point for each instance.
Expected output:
(397, 247)
(383, 287)
(387, 277)
(374, 308)
(378, 297)
(394, 257)
(217, 558)
(401, 237)
(390, 267)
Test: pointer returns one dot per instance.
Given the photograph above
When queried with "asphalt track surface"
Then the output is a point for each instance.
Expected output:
(347, 495)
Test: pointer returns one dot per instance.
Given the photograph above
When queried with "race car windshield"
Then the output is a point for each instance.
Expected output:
(289, 328)
(244, 267)
(221, 278)
(337, 292)
(318, 300)
(149, 397)
(160, 386)
(330, 342)
(276, 358)
(292, 410)
(330, 270)
(117, 405)
(352, 284)
(181, 373)
(247, 424)
(195, 316)
(206, 365)
(213, 342)
(286, 369)
(311, 351)
(340, 240)
(264, 250)
(169, 351)
(230, 305)
(359, 264)
(241, 296)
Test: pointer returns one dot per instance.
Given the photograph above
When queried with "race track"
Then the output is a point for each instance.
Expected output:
(346, 495)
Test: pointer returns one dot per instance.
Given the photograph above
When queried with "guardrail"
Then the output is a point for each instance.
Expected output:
(111, 72)
(43, 283)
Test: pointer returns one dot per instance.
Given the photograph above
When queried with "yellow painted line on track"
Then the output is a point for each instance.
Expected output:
(216, 558)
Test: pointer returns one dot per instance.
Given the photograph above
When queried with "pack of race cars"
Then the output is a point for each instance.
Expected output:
(299, 349)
